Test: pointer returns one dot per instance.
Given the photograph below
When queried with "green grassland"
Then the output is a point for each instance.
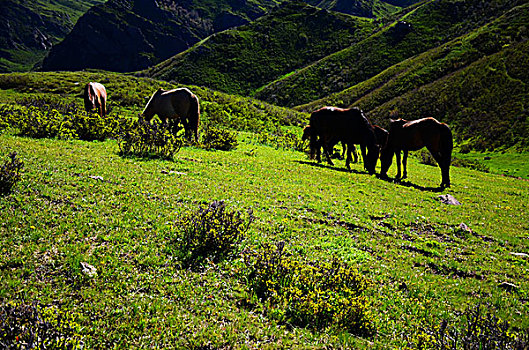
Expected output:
(81, 202)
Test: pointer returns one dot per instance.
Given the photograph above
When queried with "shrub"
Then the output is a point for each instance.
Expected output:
(32, 326)
(470, 164)
(425, 157)
(288, 140)
(315, 295)
(144, 139)
(213, 232)
(476, 328)
(220, 139)
(10, 173)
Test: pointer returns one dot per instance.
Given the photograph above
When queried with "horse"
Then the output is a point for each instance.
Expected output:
(332, 143)
(329, 125)
(413, 135)
(95, 97)
(174, 106)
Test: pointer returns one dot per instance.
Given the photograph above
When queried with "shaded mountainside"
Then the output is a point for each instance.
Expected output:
(427, 26)
(128, 35)
(477, 83)
(29, 28)
(242, 59)
(133, 34)
(365, 8)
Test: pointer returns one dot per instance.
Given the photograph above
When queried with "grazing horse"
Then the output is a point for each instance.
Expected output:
(329, 125)
(174, 106)
(95, 97)
(413, 135)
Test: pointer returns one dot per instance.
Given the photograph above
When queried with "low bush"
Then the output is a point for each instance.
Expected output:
(470, 164)
(476, 328)
(33, 326)
(220, 139)
(315, 295)
(48, 118)
(144, 139)
(287, 140)
(10, 173)
(212, 233)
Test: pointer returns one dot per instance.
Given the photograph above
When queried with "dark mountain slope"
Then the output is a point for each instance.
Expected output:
(245, 58)
(29, 28)
(158, 27)
(477, 83)
(426, 27)
(127, 35)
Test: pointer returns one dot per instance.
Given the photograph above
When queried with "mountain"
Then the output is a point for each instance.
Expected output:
(29, 28)
(427, 26)
(136, 34)
(240, 60)
(128, 35)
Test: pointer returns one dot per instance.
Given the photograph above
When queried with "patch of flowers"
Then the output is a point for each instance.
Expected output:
(213, 232)
(33, 326)
(476, 328)
(10, 173)
(317, 295)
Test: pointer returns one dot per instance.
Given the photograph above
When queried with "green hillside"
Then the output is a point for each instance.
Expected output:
(243, 59)
(429, 25)
(476, 83)
(28, 29)
(93, 243)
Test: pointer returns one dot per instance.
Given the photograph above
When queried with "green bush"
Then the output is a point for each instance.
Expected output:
(315, 295)
(221, 139)
(33, 326)
(278, 139)
(10, 173)
(213, 233)
(476, 328)
(144, 139)
(49, 118)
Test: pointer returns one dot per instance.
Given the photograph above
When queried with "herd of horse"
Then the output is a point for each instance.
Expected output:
(327, 127)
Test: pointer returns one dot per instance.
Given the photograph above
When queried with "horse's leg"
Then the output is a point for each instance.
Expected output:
(444, 164)
(404, 164)
(364, 154)
(349, 158)
(326, 151)
(355, 153)
(397, 158)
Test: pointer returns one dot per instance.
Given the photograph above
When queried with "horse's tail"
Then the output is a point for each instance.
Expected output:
(194, 115)
(447, 143)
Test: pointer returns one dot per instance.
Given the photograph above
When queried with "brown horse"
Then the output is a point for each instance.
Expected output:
(95, 97)
(413, 135)
(329, 125)
(174, 106)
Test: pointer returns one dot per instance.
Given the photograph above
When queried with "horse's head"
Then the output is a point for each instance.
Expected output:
(306, 133)
(372, 157)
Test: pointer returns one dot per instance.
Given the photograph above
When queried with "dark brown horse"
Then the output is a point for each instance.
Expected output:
(413, 135)
(173, 106)
(95, 97)
(330, 125)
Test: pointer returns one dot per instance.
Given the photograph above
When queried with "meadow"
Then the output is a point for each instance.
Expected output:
(81, 203)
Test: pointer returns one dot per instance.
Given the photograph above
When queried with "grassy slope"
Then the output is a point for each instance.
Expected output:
(54, 19)
(433, 23)
(59, 217)
(398, 235)
(128, 95)
(243, 59)
(476, 83)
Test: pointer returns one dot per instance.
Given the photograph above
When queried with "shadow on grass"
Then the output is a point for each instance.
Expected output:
(331, 167)
(407, 183)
